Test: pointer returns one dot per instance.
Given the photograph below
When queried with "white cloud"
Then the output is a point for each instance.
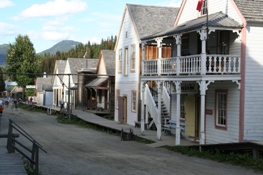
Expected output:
(6, 3)
(8, 29)
(54, 35)
(54, 8)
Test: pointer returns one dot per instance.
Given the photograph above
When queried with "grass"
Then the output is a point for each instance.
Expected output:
(241, 159)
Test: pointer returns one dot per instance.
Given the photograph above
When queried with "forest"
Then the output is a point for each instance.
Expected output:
(47, 61)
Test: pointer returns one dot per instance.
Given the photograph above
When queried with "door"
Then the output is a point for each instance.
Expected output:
(190, 118)
(122, 106)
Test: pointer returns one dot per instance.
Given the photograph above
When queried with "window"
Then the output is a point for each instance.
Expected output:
(223, 42)
(126, 34)
(185, 45)
(133, 101)
(182, 110)
(117, 98)
(204, 8)
(126, 61)
(221, 108)
(120, 62)
(133, 58)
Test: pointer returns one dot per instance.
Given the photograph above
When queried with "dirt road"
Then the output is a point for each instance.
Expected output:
(72, 150)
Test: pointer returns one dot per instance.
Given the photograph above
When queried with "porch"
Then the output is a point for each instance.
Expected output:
(192, 65)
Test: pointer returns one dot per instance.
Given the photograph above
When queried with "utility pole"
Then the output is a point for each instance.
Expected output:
(68, 106)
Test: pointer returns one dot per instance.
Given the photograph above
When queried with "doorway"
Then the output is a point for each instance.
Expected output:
(192, 116)
(122, 106)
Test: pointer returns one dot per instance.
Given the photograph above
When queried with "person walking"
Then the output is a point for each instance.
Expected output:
(61, 103)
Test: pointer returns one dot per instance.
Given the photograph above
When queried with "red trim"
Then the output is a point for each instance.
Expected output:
(243, 66)
(215, 116)
(180, 12)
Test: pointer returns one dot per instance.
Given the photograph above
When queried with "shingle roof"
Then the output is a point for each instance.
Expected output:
(61, 64)
(78, 63)
(109, 59)
(251, 9)
(151, 19)
(214, 20)
(44, 84)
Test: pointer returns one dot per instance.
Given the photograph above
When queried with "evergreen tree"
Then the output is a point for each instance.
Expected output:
(22, 62)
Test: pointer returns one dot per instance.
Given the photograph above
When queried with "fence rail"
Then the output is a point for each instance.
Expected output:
(13, 144)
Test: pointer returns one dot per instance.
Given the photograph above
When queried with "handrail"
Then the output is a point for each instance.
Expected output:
(12, 145)
(151, 104)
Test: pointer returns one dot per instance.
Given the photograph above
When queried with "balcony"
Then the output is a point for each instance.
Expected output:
(192, 65)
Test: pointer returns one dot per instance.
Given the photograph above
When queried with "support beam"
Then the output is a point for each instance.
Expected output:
(178, 112)
(158, 123)
(142, 107)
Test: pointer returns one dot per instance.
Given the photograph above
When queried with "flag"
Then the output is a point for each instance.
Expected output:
(84, 56)
(199, 5)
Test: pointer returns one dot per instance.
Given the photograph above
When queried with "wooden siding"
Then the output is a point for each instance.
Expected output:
(131, 81)
(214, 135)
(253, 129)
(213, 7)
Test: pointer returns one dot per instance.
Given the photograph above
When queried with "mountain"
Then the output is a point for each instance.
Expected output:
(3, 51)
(62, 46)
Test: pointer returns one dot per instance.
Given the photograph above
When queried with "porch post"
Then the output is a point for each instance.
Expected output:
(158, 123)
(203, 37)
(159, 45)
(143, 56)
(178, 44)
(142, 107)
(202, 112)
(178, 112)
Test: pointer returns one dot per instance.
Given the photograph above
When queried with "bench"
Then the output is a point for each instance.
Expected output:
(170, 127)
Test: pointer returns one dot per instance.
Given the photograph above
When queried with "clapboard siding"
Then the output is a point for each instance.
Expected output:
(130, 82)
(213, 7)
(214, 135)
(253, 129)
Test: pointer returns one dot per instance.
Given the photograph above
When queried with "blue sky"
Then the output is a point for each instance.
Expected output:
(48, 22)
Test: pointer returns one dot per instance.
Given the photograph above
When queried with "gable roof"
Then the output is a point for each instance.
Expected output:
(151, 19)
(214, 20)
(109, 59)
(44, 84)
(77, 63)
(251, 9)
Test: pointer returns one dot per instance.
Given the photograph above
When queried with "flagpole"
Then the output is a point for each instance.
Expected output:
(206, 19)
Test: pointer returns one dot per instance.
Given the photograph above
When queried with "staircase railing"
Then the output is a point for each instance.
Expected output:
(151, 105)
(14, 145)
(166, 99)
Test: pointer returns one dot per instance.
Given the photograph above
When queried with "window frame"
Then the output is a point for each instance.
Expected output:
(221, 125)
(120, 62)
(133, 58)
(133, 101)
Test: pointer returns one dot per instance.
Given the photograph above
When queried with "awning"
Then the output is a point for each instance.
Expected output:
(97, 82)
(218, 20)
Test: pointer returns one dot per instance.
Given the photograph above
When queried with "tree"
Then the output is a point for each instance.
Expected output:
(22, 62)
(2, 83)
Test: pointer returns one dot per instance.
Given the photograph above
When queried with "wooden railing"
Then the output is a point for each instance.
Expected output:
(14, 145)
(185, 65)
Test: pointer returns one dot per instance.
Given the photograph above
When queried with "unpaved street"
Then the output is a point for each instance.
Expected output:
(72, 150)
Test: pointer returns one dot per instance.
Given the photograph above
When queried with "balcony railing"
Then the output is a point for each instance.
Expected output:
(185, 65)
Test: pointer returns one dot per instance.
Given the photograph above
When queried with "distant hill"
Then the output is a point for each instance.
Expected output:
(62, 46)
(3, 51)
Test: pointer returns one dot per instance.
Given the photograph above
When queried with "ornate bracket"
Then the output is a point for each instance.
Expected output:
(237, 82)
(159, 41)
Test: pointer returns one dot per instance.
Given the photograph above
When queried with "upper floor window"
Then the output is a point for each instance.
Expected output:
(221, 108)
(132, 58)
(204, 8)
(120, 61)
(223, 42)
(126, 56)
(126, 34)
